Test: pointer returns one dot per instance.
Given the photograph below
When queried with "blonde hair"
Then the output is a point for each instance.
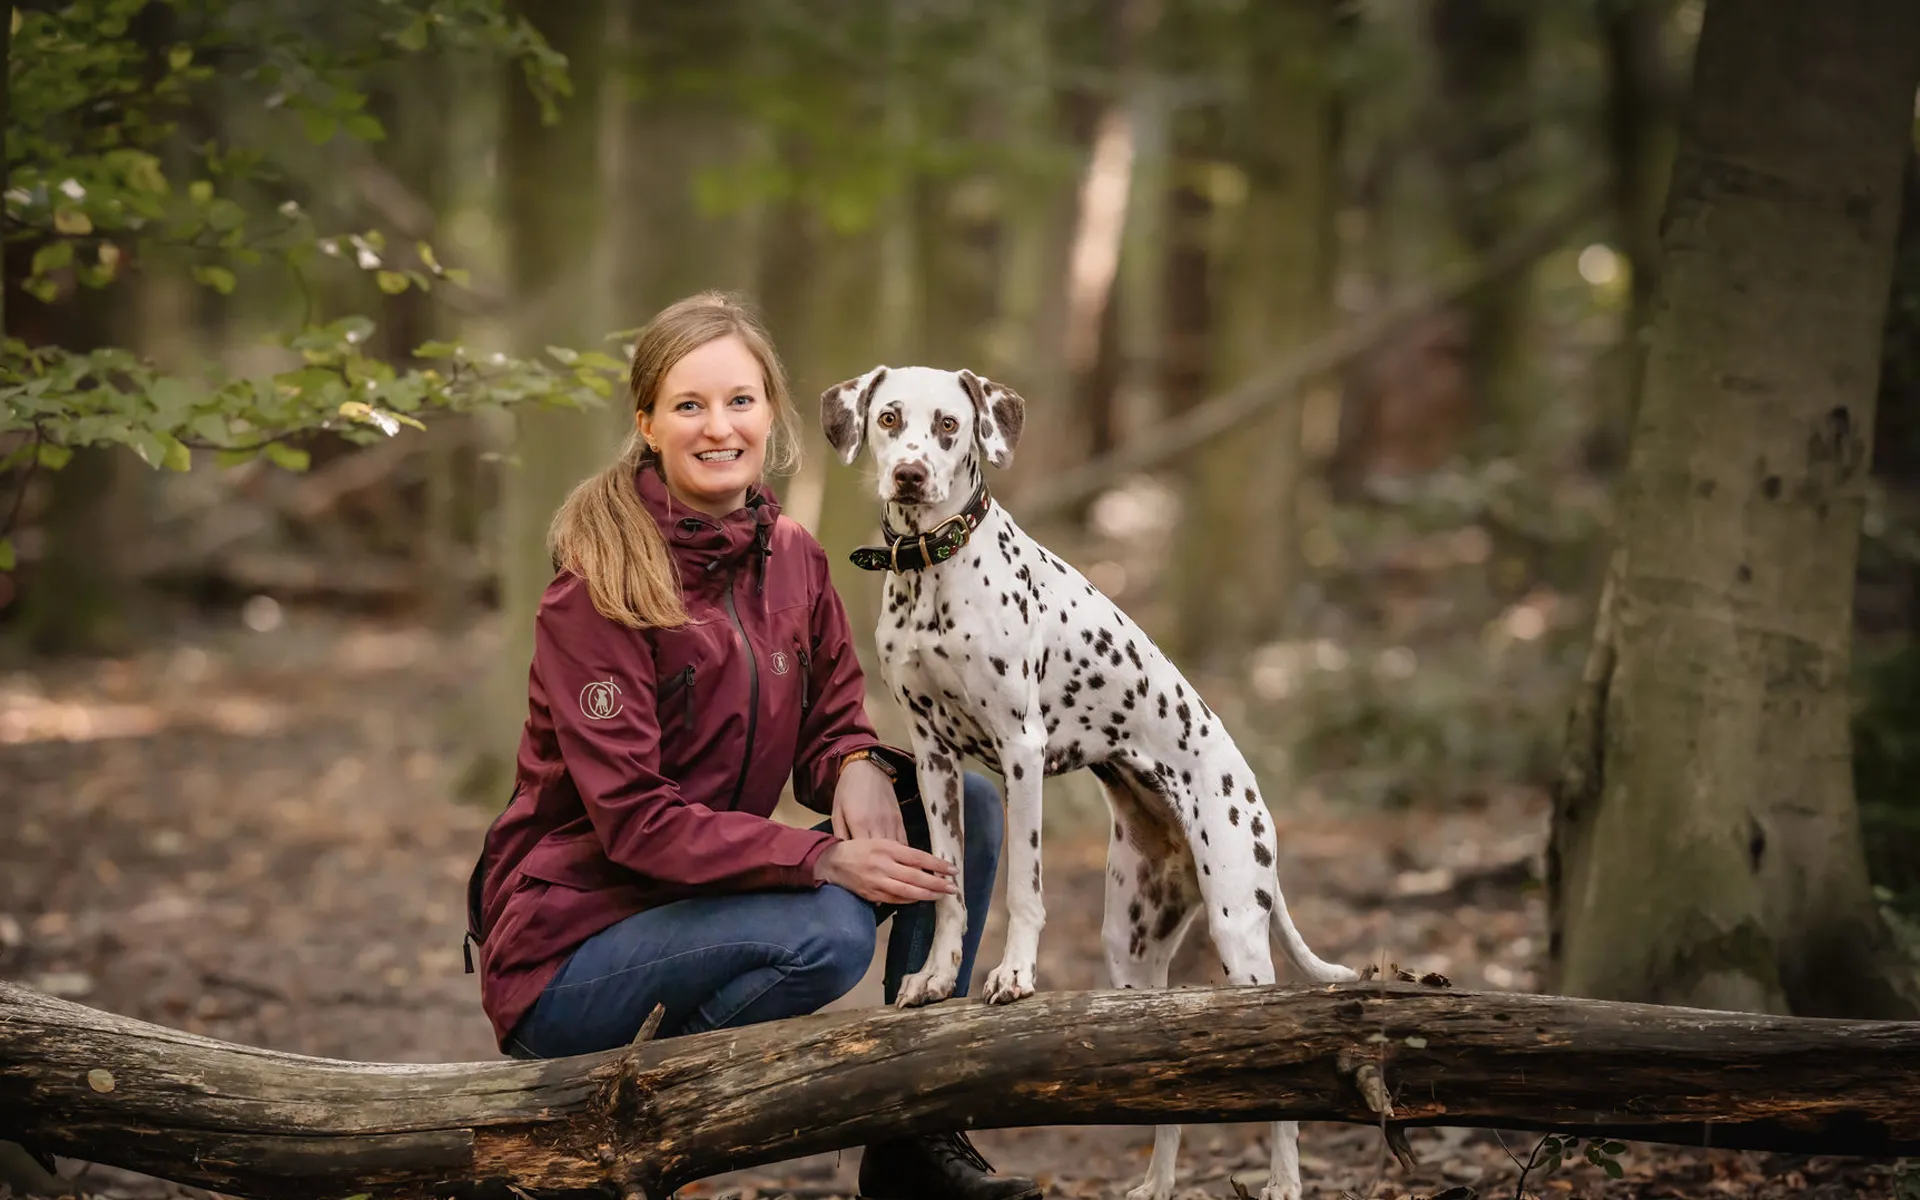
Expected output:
(603, 532)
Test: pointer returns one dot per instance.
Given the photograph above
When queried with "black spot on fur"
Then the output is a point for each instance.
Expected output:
(1262, 855)
(1265, 901)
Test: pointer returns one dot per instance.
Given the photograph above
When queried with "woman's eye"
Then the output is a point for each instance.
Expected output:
(686, 406)
(743, 398)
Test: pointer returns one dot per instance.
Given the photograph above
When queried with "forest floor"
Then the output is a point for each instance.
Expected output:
(246, 835)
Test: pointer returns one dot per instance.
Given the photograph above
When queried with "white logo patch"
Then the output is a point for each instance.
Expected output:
(779, 662)
(600, 700)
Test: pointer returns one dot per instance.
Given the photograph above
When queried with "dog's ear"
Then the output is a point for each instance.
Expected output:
(843, 413)
(998, 414)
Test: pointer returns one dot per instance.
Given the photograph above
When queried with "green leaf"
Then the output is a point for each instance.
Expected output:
(288, 457)
(52, 257)
(321, 126)
(179, 57)
(1613, 1169)
(200, 191)
(178, 457)
(235, 458)
(172, 400)
(391, 282)
(72, 221)
(1614, 1147)
(606, 362)
(7, 561)
(366, 127)
(211, 427)
(224, 214)
(53, 457)
(218, 278)
(436, 350)
(563, 355)
(414, 37)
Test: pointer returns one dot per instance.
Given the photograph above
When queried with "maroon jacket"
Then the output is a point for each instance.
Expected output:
(652, 759)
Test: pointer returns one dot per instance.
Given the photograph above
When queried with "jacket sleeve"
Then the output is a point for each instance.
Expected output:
(837, 723)
(598, 677)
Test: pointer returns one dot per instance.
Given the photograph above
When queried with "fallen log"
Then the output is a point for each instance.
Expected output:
(647, 1118)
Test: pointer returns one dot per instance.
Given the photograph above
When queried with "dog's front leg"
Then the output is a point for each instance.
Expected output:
(939, 771)
(1024, 761)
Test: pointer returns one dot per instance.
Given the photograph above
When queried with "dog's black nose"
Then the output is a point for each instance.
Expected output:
(909, 477)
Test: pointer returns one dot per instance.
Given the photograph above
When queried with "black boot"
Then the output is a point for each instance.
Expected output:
(935, 1166)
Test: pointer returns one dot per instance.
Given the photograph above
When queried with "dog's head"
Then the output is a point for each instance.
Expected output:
(927, 428)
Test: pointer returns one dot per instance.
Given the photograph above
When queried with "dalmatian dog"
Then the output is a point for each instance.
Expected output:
(998, 649)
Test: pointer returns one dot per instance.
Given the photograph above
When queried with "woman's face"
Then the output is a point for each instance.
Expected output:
(709, 424)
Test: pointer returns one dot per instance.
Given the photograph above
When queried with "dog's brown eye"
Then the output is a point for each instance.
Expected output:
(888, 420)
(948, 425)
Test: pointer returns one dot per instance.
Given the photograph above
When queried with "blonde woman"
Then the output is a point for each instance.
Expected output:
(690, 656)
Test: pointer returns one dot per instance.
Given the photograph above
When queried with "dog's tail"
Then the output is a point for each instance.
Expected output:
(1304, 961)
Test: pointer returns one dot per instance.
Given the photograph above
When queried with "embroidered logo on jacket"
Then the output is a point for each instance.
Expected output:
(600, 700)
(779, 662)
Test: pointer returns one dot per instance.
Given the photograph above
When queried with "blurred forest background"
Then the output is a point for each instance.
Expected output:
(1333, 319)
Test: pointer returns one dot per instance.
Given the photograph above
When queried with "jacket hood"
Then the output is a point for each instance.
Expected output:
(702, 545)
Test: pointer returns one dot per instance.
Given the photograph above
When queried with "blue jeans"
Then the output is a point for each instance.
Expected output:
(722, 961)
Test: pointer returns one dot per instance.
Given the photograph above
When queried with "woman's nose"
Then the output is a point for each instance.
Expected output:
(718, 426)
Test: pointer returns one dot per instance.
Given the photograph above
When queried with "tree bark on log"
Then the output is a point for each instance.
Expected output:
(648, 1118)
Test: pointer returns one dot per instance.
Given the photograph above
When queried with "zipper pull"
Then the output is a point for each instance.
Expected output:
(806, 681)
(686, 720)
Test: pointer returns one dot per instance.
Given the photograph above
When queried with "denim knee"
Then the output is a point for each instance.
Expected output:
(835, 943)
(985, 816)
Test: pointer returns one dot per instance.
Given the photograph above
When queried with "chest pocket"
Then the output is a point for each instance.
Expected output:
(675, 697)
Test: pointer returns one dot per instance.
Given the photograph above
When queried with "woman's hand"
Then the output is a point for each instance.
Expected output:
(882, 871)
(864, 805)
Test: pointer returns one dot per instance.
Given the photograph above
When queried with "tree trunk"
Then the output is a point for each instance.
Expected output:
(104, 1088)
(561, 274)
(1235, 558)
(1706, 845)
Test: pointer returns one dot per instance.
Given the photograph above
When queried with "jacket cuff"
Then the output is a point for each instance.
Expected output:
(802, 874)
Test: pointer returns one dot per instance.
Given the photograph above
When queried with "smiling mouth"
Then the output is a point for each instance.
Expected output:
(719, 456)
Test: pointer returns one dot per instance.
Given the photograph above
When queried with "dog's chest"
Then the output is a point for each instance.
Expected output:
(944, 664)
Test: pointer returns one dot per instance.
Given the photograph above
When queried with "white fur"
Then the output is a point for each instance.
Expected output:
(1007, 653)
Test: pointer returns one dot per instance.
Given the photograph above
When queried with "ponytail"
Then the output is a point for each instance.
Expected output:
(606, 536)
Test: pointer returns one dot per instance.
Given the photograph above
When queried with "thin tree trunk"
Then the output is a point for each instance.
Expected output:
(1484, 51)
(1707, 847)
(1236, 557)
(1640, 132)
(555, 234)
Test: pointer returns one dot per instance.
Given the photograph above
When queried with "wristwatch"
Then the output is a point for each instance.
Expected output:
(886, 767)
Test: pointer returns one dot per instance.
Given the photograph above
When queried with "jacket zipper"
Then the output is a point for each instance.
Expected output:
(806, 681)
(682, 679)
(753, 695)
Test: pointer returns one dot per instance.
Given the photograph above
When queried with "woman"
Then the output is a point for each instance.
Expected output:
(689, 657)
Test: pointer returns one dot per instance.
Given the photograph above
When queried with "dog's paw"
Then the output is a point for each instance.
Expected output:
(1150, 1190)
(1280, 1191)
(925, 987)
(1006, 983)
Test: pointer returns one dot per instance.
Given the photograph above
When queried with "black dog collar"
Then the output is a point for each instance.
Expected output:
(916, 552)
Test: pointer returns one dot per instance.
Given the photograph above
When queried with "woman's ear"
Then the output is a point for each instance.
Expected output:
(643, 421)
